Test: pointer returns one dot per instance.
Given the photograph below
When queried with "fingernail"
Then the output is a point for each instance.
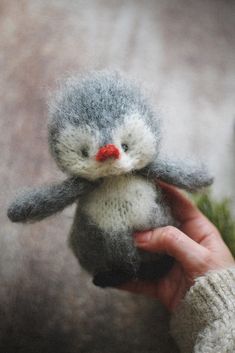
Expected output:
(142, 237)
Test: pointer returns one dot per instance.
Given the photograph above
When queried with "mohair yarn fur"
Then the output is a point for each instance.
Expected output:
(105, 136)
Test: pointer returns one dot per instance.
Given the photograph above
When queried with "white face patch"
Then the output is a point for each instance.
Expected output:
(77, 148)
(139, 140)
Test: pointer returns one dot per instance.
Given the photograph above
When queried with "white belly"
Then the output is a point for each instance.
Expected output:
(121, 203)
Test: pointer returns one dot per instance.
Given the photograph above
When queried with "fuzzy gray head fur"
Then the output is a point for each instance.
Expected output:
(97, 109)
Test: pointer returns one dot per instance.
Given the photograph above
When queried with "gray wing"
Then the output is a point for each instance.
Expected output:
(183, 174)
(37, 203)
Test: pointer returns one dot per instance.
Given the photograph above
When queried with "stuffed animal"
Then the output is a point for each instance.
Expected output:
(105, 136)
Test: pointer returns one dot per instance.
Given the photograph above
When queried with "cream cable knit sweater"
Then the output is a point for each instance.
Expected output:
(205, 321)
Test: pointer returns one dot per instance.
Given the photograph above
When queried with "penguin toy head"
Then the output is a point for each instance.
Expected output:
(101, 125)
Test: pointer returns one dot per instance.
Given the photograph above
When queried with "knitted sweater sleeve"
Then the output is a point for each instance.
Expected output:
(205, 321)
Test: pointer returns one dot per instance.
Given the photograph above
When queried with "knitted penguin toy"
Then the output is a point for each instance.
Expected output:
(104, 135)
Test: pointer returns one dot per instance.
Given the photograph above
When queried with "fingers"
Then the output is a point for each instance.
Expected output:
(172, 241)
(183, 209)
(193, 222)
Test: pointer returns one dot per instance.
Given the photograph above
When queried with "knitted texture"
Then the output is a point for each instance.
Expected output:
(37, 203)
(103, 129)
(205, 320)
(110, 215)
(183, 174)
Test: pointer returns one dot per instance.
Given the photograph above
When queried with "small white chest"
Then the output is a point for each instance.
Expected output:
(121, 203)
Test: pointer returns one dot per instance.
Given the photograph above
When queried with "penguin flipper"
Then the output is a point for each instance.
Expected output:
(36, 204)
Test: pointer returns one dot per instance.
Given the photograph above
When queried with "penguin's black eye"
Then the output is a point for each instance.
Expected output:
(124, 147)
(84, 152)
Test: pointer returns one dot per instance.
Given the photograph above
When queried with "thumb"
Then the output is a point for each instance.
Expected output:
(172, 241)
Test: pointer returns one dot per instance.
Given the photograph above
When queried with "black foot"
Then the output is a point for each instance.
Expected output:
(111, 278)
(150, 271)
(153, 270)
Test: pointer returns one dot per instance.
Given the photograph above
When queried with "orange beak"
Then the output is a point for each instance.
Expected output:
(106, 152)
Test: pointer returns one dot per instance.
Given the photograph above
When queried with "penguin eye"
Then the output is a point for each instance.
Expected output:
(124, 147)
(84, 152)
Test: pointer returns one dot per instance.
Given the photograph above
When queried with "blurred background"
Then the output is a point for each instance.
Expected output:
(184, 52)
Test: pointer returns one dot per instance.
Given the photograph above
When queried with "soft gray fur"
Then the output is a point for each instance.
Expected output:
(183, 174)
(36, 204)
(86, 115)
(101, 100)
(113, 258)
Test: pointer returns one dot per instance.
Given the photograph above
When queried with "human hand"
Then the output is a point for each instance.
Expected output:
(197, 247)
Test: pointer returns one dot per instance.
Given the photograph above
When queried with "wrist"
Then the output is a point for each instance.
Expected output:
(213, 293)
(211, 298)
